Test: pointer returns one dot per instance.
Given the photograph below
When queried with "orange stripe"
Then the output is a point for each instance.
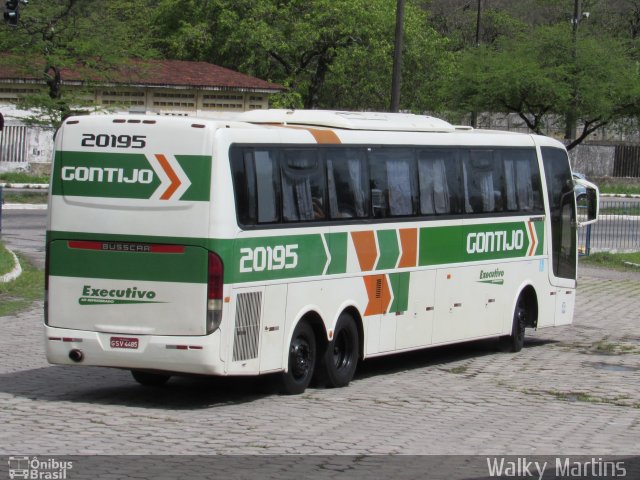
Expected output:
(320, 136)
(365, 243)
(409, 242)
(533, 240)
(175, 181)
(325, 136)
(379, 294)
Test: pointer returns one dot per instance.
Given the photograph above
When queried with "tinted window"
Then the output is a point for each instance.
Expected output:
(303, 186)
(257, 185)
(347, 183)
(291, 184)
(562, 211)
(439, 179)
(393, 182)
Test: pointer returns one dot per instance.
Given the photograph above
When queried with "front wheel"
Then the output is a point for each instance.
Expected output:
(338, 364)
(515, 341)
(302, 360)
(150, 379)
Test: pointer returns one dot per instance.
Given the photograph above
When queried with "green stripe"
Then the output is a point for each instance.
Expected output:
(198, 170)
(400, 287)
(388, 248)
(126, 167)
(437, 246)
(188, 267)
(337, 244)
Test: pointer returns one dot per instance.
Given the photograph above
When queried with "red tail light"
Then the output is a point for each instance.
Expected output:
(215, 277)
(215, 286)
(46, 286)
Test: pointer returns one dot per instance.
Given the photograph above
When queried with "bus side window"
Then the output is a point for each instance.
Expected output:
(346, 183)
(303, 186)
(434, 172)
(483, 180)
(393, 182)
(256, 186)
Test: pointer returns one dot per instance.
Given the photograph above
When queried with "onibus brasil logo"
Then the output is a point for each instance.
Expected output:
(38, 469)
(116, 296)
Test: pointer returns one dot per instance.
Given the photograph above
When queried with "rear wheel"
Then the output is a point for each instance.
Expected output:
(515, 341)
(338, 364)
(302, 360)
(150, 379)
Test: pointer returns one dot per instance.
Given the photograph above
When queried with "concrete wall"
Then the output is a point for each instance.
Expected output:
(593, 160)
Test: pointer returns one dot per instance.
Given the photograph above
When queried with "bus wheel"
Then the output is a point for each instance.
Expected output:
(515, 341)
(302, 360)
(338, 364)
(150, 379)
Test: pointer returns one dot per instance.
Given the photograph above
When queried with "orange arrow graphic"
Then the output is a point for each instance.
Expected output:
(379, 294)
(534, 243)
(175, 181)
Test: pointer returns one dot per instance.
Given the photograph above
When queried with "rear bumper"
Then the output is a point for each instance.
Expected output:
(199, 355)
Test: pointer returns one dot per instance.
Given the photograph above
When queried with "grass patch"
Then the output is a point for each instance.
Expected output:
(23, 291)
(22, 177)
(25, 197)
(620, 189)
(615, 261)
(6, 260)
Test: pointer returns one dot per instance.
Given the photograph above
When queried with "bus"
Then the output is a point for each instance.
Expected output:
(300, 242)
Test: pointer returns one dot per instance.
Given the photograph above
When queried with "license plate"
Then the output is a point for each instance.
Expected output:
(124, 342)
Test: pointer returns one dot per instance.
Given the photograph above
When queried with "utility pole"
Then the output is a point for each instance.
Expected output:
(474, 114)
(571, 115)
(396, 78)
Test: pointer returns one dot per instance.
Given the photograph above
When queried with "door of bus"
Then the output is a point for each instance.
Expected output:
(561, 231)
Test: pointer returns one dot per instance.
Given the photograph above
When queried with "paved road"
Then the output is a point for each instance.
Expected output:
(572, 390)
(24, 231)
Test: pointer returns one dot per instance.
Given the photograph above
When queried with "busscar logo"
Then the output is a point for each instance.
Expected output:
(116, 296)
(38, 469)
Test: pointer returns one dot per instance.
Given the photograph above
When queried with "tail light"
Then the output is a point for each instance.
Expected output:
(46, 286)
(214, 293)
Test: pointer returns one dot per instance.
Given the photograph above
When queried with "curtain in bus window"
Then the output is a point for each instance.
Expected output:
(399, 181)
(356, 177)
(345, 177)
(434, 189)
(483, 178)
(302, 186)
(510, 181)
(519, 180)
(523, 185)
(264, 171)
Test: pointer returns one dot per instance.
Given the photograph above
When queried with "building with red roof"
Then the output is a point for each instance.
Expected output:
(155, 86)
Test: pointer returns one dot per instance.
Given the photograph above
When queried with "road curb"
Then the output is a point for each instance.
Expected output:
(17, 269)
(24, 206)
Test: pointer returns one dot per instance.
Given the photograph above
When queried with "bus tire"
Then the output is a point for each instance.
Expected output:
(515, 341)
(340, 359)
(150, 379)
(302, 360)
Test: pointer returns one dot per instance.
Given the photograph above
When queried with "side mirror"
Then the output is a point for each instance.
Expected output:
(592, 201)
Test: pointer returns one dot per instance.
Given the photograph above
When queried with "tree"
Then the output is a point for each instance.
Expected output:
(536, 75)
(90, 37)
(330, 53)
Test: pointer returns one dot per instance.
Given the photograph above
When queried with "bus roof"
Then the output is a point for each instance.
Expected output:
(405, 122)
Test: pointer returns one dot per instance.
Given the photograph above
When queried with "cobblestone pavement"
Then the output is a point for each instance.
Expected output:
(572, 390)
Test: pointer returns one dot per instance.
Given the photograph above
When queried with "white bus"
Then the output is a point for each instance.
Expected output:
(300, 242)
